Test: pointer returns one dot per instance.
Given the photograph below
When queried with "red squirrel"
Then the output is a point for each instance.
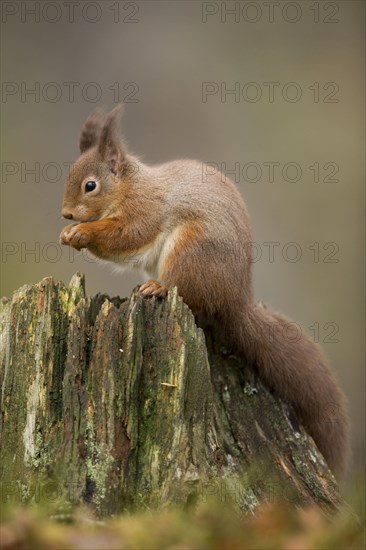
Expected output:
(195, 235)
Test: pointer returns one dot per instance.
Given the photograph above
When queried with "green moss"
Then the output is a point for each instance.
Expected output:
(98, 465)
(41, 458)
(309, 476)
(249, 389)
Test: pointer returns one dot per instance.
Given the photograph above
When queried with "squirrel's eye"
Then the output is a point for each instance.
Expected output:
(90, 186)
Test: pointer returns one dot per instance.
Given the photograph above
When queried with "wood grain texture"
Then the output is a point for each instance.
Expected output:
(124, 403)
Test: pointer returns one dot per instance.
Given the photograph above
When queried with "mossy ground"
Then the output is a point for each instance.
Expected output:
(211, 524)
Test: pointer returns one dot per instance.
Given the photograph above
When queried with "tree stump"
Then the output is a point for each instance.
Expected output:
(124, 403)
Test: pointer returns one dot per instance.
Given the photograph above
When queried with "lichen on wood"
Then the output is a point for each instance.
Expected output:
(126, 403)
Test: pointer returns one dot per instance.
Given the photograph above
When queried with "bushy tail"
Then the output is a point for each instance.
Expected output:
(290, 363)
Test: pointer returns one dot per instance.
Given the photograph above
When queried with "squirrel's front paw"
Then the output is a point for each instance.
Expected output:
(76, 235)
(64, 235)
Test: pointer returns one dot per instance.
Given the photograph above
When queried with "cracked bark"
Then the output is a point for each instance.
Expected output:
(123, 403)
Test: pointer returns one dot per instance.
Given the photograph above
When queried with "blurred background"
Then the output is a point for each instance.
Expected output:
(271, 92)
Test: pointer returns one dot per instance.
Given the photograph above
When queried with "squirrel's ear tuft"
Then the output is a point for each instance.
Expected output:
(111, 147)
(91, 130)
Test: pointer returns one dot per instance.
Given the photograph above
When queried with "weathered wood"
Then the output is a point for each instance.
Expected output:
(120, 404)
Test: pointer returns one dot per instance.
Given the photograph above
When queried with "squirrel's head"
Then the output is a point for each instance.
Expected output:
(96, 175)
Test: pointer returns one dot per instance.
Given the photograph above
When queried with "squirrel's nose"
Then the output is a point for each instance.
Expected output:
(66, 214)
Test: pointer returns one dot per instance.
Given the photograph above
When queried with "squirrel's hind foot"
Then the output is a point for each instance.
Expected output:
(153, 288)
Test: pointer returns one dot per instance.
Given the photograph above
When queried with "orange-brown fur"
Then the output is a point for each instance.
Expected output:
(195, 234)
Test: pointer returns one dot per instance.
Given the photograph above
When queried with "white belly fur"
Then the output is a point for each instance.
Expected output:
(150, 259)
